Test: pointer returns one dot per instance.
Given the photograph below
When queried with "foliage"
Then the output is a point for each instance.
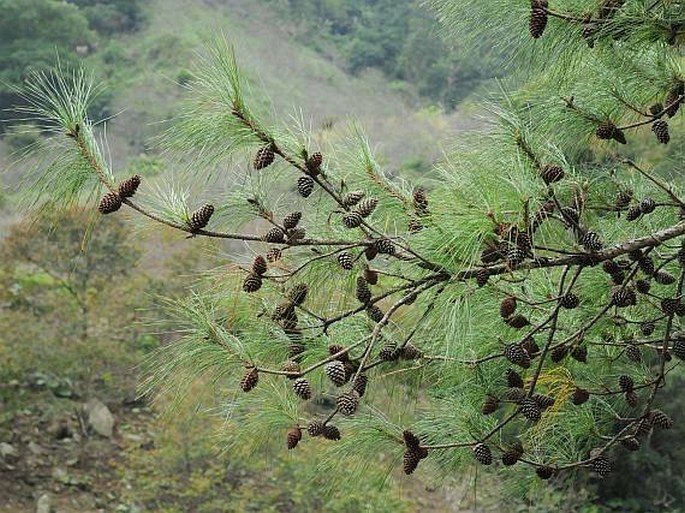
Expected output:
(396, 37)
(33, 33)
(543, 249)
(55, 316)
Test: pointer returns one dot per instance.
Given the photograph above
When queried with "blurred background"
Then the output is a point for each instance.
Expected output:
(74, 436)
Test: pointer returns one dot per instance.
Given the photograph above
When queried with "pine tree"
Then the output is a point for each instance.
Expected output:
(509, 245)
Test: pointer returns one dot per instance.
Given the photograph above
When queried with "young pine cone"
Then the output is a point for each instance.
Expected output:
(200, 218)
(128, 187)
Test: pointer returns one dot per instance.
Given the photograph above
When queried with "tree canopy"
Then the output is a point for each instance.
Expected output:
(522, 311)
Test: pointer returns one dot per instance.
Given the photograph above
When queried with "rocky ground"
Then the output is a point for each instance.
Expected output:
(63, 455)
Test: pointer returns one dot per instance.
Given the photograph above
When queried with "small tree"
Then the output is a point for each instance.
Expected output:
(530, 294)
(52, 275)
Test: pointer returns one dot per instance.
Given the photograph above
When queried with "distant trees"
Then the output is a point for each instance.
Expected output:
(398, 38)
(33, 33)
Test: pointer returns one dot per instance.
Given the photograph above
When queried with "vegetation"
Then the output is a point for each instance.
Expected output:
(528, 303)
(33, 33)
(398, 38)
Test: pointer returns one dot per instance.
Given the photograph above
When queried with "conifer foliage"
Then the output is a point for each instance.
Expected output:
(517, 285)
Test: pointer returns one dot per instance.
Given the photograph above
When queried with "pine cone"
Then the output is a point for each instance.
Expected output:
(374, 313)
(359, 384)
(371, 276)
(518, 321)
(515, 395)
(200, 218)
(538, 18)
(591, 242)
(633, 353)
(414, 225)
(602, 465)
(352, 220)
(512, 455)
(543, 401)
(385, 247)
(514, 379)
(335, 371)
(656, 109)
(660, 129)
(579, 354)
(410, 461)
(623, 298)
(273, 255)
(128, 187)
(482, 454)
(259, 265)
(676, 91)
(659, 419)
(490, 405)
(298, 293)
(302, 388)
(664, 278)
(530, 409)
(482, 277)
(331, 432)
(366, 207)
(516, 355)
(610, 267)
(605, 130)
(678, 349)
(552, 173)
(633, 213)
(305, 186)
(291, 220)
(647, 206)
(263, 158)
(315, 428)
(558, 353)
(626, 383)
(352, 198)
(410, 352)
(249, 380)
(295, 349)
(545, 472)
(646, 264)
(314, 163)
(507, 307)
(411, 441)
(570, 301)
(363, 293)
(293, 437)
(608, 130)
(420, 201)
(631, 443)
(346, 261)
(389, 352)
(371, 252)
(580, 396)
(515, 256)
(632, 399)
(570, 216)
(530, 346)
(252, 283)
(292, 367)
(347, 403)
(670, 305)
(275, 235)
(110, 202)
(623, 199)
